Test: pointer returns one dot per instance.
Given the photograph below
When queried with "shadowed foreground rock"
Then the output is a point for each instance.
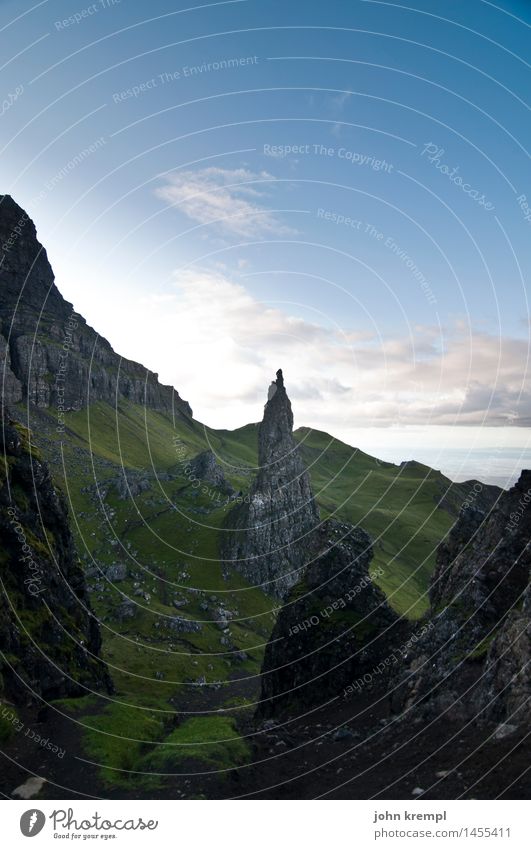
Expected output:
(475, 663)
(335, 627)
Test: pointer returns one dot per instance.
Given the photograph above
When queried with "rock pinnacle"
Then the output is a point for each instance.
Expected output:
(271, 537)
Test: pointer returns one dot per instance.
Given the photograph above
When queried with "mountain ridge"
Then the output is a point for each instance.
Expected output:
(50, 355)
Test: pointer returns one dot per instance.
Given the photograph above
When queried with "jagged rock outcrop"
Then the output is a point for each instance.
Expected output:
(204, 467)
(475, 662)
(49, 638)
(131, 483)
(455, 497)
(49, 355)
(334, 628)
(504, 694)
(271, 536)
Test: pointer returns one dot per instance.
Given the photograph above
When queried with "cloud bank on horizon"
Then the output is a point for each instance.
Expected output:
(338, 378)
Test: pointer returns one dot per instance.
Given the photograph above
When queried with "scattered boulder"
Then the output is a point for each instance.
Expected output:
(205, 467)
(182, 626)
(31, 788)
(117, 572)
(126, 610)
(131, 484)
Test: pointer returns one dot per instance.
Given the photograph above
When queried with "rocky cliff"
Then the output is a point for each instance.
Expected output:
(335, 624)
(49, 638)
(475, 662)
(334, 628)
(271, 537)
(469, 658)
(49, 355)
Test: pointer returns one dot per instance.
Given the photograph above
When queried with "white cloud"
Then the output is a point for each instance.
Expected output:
(220, 347)
(338, 103)
(226, 199)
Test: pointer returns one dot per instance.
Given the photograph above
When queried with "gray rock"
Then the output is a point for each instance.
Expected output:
(205, 467)
(52, 596)
(130, 484)
(335, 627)
(343, 734)
(126, 610)
(480, 598)
(269, 538)
(117, 572)
(182, 626)
(31, 787)
(505, 729)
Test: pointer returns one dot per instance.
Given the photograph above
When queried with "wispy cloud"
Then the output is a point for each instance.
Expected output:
(338, 103)
(229, 200)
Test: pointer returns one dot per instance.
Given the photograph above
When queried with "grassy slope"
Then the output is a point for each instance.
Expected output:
(167, 535)
(398, 505)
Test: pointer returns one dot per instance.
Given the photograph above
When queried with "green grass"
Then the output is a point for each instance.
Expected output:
(9, 722)
(152, 667)
(174, 552)
(397, 505)
(75, 706)
(116, 738)
(130, 745)
(213, 741)
(26, 441)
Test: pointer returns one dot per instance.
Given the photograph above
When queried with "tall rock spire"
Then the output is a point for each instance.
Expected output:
(271, 538)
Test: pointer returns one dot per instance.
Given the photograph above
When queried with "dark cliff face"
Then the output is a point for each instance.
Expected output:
(49, 639)
(271, 538)
(335, 627)
(476, 660)
(49, 355)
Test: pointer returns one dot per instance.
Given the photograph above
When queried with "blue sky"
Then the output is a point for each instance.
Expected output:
(337, 188)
